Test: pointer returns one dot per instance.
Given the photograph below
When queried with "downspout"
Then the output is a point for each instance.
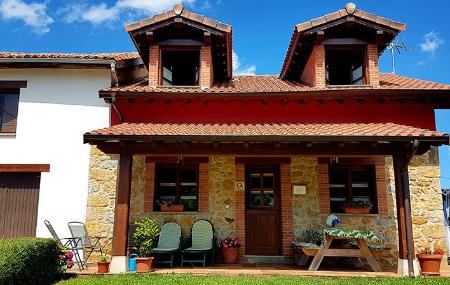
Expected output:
(407, 205)
(113, 104)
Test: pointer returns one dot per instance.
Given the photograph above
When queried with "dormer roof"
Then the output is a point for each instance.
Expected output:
(306, 34)
(218, 34)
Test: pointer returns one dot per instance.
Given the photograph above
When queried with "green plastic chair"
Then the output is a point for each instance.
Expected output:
(168, 243)
(202, 243)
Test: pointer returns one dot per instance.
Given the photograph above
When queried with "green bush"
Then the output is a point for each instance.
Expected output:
(145, 234)
(29, 261)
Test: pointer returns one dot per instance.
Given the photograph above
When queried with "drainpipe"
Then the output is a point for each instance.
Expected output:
(407, 205)
(114, 106)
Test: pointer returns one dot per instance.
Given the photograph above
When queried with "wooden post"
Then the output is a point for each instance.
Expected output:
(121, 215)
(404, 220)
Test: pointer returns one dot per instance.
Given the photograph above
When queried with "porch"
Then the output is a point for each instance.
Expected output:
(224, 163)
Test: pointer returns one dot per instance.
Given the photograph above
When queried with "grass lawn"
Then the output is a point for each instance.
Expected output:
(241, 279)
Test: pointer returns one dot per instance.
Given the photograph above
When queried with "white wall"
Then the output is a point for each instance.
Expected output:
(55, 110)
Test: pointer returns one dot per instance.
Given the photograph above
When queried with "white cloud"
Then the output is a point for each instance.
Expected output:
(101, 13)
(238, 69)
(431, 42)
(32, 14)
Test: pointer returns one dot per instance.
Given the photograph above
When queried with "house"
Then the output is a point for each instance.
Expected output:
(265, 157)
(47, 102)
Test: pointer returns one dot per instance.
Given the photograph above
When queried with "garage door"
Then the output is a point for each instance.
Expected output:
(19, 196)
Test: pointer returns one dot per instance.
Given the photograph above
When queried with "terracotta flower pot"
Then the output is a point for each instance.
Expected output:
(230, 254)
(144, 264)
(102, 267)
(173, 208)
(430, 264)
(350, 210)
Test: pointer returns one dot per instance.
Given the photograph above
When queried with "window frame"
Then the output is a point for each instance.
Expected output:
(348, 168)
(349, 48)
(179, 167)
(162, 49)
(3, 94)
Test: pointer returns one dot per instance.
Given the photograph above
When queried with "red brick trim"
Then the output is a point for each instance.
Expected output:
(324, 189)
(287, 226)
(206, 70)
(149, 186)
(372, 65)
(240, 209)
(381, 185)
(153, 67)
(203, 177)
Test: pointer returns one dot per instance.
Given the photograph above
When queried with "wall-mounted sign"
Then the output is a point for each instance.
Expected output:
(240, 186)
(299, 189)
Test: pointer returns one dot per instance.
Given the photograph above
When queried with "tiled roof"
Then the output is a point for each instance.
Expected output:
(99, 56)
(344, 13)
(179, 11)
(268, 131)
(273, 84)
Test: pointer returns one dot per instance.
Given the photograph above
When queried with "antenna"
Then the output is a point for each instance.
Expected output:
(399, 47)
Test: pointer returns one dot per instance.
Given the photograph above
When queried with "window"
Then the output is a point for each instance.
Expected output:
(9, 105)
(180, 67)
(345, 66)
(352, 184)
(177, 185)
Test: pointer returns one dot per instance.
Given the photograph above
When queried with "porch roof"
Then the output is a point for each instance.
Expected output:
(265, 132)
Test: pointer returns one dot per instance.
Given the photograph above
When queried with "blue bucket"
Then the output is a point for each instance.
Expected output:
(132, 262)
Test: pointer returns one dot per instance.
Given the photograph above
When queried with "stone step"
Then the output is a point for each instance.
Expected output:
(265, 259)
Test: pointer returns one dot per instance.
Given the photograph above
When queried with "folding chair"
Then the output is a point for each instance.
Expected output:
(74, 244)
(168, 243)
(88, 243)
(202, 243)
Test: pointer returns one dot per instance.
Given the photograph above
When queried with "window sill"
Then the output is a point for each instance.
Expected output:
(7, 134)
(349, 86)
(178, 213)
(354, 215)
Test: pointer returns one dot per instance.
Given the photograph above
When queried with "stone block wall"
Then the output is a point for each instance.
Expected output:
(427, 214)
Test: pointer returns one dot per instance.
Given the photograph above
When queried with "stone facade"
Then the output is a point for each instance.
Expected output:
(424, 180)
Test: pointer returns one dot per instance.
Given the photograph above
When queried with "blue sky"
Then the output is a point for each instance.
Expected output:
(261, 32)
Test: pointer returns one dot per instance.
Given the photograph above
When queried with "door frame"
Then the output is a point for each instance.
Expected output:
(269, 167)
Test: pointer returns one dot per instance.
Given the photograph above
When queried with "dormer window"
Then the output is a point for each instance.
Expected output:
(345, 65)
(180, 67)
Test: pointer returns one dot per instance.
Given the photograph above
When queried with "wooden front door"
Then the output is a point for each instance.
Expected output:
(262, 217)
(19, 197)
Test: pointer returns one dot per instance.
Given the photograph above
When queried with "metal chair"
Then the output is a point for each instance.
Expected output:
(168, 243)
(202, 234)
(74, 244)
(89, 243)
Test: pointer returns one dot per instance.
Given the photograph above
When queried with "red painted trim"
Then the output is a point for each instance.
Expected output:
(253, 111)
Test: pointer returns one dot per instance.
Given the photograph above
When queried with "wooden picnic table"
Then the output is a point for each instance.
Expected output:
(363, 250)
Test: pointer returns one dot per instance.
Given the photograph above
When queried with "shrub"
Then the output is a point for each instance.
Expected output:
(29, 261)
(145, 234)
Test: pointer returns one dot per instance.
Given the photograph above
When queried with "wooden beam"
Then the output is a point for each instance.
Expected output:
(13, 84)
(403, 201)
(24, 167)
(122, 210)
(202, 149)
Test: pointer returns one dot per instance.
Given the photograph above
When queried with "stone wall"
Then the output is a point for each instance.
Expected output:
(101, 195)
(424, 180)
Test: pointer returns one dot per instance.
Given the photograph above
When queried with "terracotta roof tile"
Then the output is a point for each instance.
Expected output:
(100, 56)
(216, 131)
(273, 84)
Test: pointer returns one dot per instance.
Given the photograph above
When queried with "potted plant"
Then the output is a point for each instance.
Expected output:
(230, 249)
(145, 234)
(358, 207)
(430, 261)
(103, 264)
(170, 206)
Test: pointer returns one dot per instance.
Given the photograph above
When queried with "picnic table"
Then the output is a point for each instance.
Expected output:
(360, 237)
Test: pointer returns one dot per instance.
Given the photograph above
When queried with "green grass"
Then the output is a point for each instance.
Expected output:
(186, 279)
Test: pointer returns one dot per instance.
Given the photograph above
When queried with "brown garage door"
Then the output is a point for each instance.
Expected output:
(19, 196)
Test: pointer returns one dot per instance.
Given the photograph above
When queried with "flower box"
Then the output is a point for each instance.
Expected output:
(351, 210)
(172, 208)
